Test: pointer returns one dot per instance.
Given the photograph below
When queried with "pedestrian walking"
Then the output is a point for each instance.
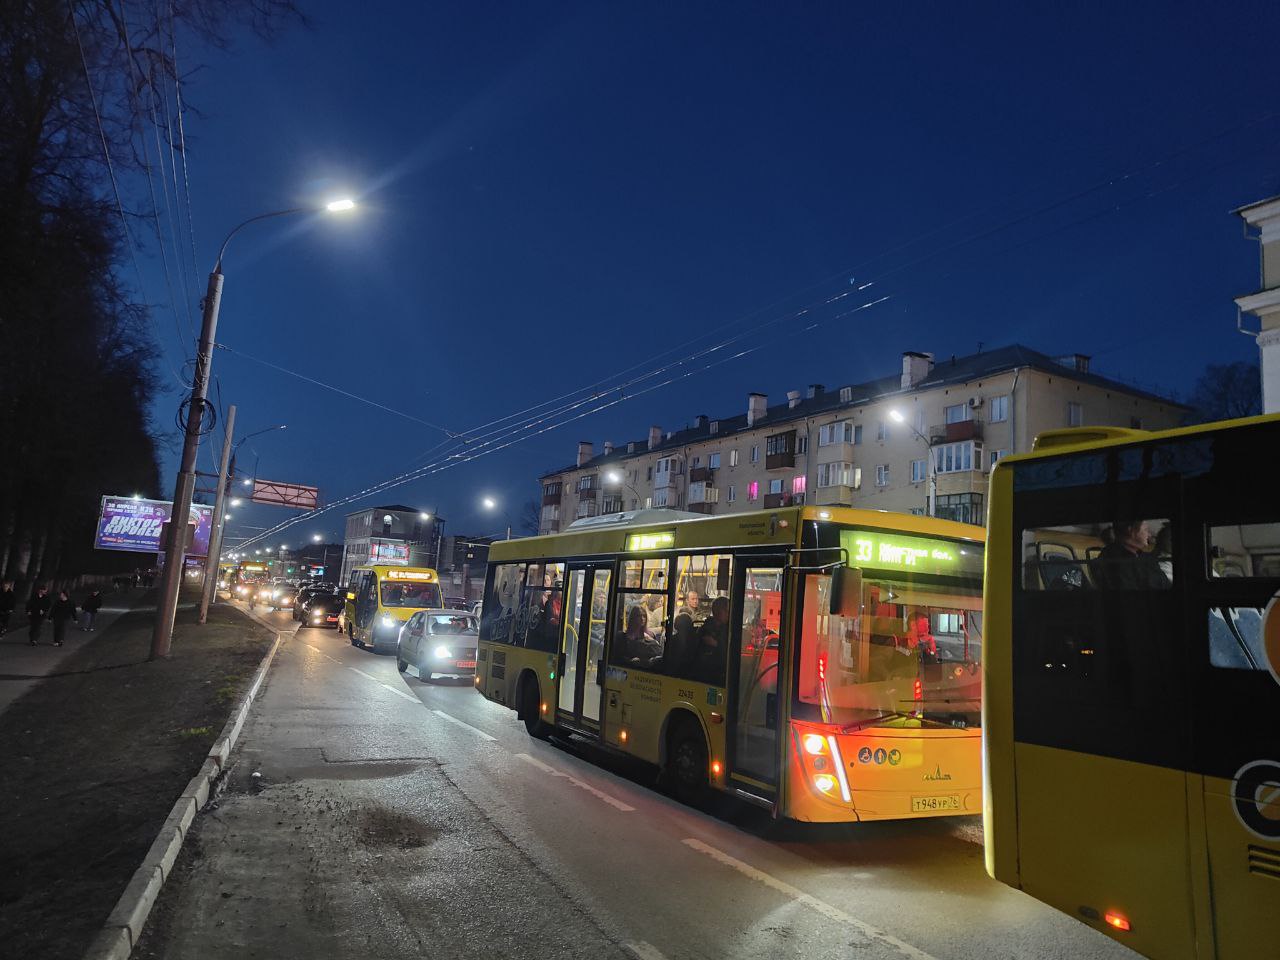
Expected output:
(37, 609)
(92, 604)
(8, 600)
(61, 613)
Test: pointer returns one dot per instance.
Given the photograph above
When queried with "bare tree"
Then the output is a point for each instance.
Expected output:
(1226, 391)
(531, 517)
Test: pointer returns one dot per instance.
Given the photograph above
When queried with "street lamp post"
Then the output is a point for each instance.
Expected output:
(931, 472)
(615, 477)
(176, 538)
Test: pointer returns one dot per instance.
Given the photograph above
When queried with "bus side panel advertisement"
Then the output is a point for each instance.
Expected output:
(135, 525)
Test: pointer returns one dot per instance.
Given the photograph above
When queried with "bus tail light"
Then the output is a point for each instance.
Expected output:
(1117, 921)
(622, 735)
(715, 768)
(544, 708)
(918, 689)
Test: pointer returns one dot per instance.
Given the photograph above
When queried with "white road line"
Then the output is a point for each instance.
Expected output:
(367, 676)
(401, 693)
(645, 951)
(813, 903)
(598, 794)
(476, 730)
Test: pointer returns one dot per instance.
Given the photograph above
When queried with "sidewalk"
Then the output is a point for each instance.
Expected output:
(22, 666)
(93, 759)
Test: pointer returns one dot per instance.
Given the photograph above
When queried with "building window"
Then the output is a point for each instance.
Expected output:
(660, 498)
(1135, 423)
(733, 457)
(999, 409)
(1075, 415)
(753, 490)
(778, 444)
(586, 483)
(956, 413)
(634, 503)
(835, 474)
(917, 471)
(997, 456)
(802, 444)
(957, 457)
(732, 494)
(715, 426)
(611, 504)
(916, 511)
(797, 484)
(857, 434)
(842, 431)
(882, 475)
(551, 489)
(857, 478)
(697, 462)
(846, 394)
(648, 475)
(919, 421)
(775, 486)
(961, 507)
(882, 430)
(586, 508)
(755, 453)
(713, 461)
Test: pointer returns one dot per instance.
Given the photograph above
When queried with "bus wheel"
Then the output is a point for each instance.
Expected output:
(686, 769)
(530, 712)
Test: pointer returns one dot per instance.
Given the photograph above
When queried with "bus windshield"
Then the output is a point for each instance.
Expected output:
(912, 654)
(401, 593)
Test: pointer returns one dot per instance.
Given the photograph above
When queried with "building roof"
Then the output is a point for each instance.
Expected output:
(398, 508)
(954, 370)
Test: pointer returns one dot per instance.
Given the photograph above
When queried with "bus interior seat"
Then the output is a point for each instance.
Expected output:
(1059, 568)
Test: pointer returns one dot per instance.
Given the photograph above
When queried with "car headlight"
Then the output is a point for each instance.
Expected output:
(388, 621)
(443, 652)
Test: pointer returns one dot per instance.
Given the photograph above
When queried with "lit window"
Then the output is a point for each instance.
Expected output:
(753, 490)
(797, 484)
(775, 486)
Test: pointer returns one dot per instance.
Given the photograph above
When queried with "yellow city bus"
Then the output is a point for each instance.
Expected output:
(820, 662)
(381, 598)
(1132, 708)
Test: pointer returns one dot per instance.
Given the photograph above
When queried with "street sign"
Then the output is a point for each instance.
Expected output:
(285, 494)
(136, 525)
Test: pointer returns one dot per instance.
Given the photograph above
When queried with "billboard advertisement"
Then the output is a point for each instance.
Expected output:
(285, 494)
(380, 551)
(134, 525)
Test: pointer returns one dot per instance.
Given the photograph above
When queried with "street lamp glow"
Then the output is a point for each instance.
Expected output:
(315, 538)
(236, 501)
(613, 476)
(258, 552)
(339, 205)
(489, 503)
(424, 515)
(896, 416)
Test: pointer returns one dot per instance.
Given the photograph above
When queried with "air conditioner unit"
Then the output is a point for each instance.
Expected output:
(975, 403)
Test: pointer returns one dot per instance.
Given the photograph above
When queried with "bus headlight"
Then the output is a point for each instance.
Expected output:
(443, 652)
(825, 783)
(388, 622)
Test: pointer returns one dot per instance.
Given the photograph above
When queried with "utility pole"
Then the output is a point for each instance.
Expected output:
(210, 592)
(176, 541)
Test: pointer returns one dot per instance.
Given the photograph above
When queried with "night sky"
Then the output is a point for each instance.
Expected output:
(551, 194)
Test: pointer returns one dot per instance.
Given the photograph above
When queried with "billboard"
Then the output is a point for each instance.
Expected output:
(126, 523)
(285, 494)
(380, 551)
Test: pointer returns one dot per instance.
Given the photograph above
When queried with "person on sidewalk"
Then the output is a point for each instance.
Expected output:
(8, 600)
(92, 604)
(37, 609)
(61, 613)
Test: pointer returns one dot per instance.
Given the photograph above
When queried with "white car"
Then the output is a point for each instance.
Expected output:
(440, 643)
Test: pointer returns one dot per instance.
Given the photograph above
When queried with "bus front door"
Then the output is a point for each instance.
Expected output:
(754, 652)
(582, 647)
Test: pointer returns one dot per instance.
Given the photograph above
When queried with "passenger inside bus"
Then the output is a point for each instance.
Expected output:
(637, 645)
(713, 641)
(1127, 563)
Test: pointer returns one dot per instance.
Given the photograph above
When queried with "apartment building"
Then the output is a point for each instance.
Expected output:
(1262, 222)
(395, 534)
(925, 437)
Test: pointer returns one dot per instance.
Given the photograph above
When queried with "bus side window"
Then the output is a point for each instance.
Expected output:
(502, 598)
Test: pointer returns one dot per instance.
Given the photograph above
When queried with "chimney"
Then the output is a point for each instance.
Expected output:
(815, 390)
(793, 399)
(915, 367)
(655, 436)
(631, 446)
(584, 451)
(1078, 362)
(608, 447)
(700, 421)
(757, 407)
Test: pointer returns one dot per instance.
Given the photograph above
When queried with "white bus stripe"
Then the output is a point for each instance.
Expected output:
(813, 903)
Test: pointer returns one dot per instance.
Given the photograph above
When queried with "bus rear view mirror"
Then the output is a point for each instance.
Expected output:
(846, 592)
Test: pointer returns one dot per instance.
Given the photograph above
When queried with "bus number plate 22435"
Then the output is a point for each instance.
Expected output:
(929, 804)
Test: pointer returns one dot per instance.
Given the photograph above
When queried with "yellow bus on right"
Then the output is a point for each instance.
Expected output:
(1131, 707)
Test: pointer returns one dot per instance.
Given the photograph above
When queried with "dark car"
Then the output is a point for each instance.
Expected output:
(306, 593)
(322, 610)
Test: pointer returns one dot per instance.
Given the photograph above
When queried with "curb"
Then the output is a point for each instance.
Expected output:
(124, 925)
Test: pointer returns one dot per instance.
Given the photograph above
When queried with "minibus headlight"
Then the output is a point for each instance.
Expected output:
(388, 621)
(443, 652)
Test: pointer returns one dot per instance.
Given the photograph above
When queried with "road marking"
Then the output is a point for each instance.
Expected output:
(367, 676)
(813, 903)
(476, 730)
(645, 951)
(598, 794)
(401, 693)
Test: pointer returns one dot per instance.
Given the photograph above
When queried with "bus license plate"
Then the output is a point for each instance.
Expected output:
(467, 663)
(929, 804)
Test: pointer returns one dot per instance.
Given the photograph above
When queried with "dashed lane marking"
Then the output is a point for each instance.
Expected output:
(598, 794)
(476, 730)
(642, 950)
(813, 903)
(402, 694)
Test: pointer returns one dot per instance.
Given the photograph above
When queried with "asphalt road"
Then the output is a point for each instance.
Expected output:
(376, 815)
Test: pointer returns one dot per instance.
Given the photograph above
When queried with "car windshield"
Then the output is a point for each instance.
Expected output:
(443, 624)
(913, 652)
(398, 593)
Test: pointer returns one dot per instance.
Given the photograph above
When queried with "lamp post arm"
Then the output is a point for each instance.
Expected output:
(217, 267)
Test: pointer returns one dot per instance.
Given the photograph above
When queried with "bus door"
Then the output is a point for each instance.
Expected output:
(755, 651)
(582, 647)
(366, 605)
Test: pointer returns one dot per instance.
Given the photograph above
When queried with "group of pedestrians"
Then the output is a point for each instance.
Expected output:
(60, 611)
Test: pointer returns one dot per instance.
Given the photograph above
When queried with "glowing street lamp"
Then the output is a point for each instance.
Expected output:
(931, 498)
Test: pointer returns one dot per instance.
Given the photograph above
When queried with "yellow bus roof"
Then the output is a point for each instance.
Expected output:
(393, 572)
(753, 528)
(1074, 439)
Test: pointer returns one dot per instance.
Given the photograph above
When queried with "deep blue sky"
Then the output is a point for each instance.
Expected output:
(554, 192)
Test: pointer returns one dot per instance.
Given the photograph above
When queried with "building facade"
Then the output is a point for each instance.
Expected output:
(922, 440)
(395, 535)
(1264, 218)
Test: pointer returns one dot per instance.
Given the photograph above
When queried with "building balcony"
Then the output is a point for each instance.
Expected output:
(833, 453)
(611, 504)
(780, 461)
(702, 474)
(837, 496)
(665, 480)
(955, 432)
(551, 499)
(708, 507)
(773, 501)
(588, 493)
(703, 495)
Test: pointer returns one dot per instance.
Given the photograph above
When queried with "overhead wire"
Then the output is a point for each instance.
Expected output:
(182, 143)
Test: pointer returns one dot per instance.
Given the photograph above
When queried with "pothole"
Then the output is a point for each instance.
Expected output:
(380, 827)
